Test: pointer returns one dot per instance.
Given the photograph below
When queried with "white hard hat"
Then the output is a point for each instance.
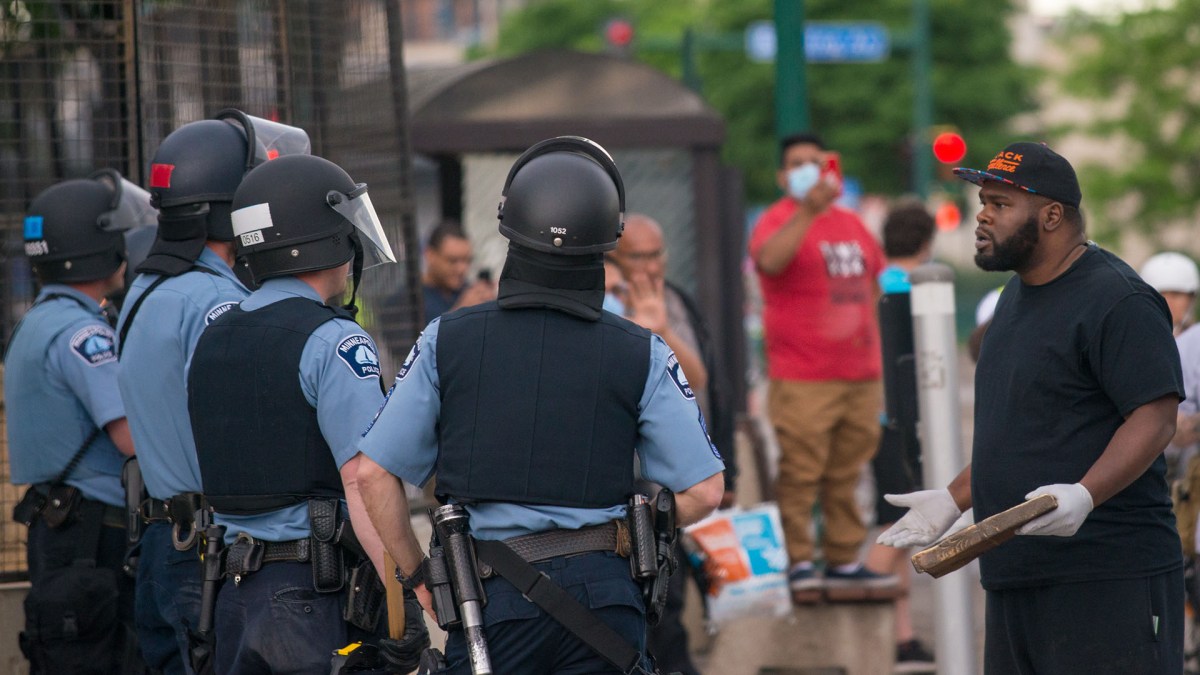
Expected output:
(1171, 271)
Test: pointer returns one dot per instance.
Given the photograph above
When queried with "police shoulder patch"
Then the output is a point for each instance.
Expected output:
(358, 353)
(413, 355)
(95, 344)
(218, 311)
(676, 372)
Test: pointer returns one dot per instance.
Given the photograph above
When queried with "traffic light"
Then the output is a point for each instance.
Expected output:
(949, 147)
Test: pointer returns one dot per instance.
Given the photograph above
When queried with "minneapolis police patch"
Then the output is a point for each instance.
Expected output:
(218, 311)
(413, 354)
(358, 352)
(677, 376)
(95, 345)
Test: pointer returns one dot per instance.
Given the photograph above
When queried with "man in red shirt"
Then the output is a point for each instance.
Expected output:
(817, 265)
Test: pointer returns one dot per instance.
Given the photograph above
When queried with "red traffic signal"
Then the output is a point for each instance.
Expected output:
(618, 32)
(949, 147)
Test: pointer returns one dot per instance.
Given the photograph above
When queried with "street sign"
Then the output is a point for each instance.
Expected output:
(824, 42)
(845, 42)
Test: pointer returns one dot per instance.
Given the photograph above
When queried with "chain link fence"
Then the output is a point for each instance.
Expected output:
(90, 84)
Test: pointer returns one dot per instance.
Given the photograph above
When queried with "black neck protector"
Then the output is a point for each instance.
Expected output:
(572, 284)
(182, 233)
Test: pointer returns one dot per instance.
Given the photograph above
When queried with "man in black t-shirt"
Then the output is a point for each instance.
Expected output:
(1075, 396)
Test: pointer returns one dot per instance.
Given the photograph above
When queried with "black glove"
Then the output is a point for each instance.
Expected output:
(404, 655)
(432, 661)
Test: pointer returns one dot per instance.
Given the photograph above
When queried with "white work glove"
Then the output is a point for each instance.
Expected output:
(1074, 505)
(930, 514)
(964, 521)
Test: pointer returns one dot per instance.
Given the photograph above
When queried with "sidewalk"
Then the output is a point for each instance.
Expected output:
(824, 628)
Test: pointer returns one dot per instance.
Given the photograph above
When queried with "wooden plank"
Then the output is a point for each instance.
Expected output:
(969, 543)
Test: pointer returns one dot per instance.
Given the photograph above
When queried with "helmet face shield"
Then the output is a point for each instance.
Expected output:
(130, 207)
(357, 208)
(267, 139)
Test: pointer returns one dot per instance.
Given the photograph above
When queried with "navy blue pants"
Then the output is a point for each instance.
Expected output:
(524, 639)
(168, 600)
(54, 549)
(668, 641)
(1119, 627)
(274, 622)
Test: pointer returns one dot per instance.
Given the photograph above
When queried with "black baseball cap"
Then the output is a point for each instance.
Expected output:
(1032, 167)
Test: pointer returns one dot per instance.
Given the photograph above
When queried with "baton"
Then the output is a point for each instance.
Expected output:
(214, 542)
(395, 597)
(450, 521)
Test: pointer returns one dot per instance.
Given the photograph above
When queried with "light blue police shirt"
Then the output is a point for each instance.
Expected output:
(673, 444)
(339, 374)
(158, 349)
(60, 383)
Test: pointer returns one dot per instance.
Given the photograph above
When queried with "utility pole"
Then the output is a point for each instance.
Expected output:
(922, 65)
(791, 80)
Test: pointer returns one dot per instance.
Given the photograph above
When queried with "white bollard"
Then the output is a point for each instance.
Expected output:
(940, 429)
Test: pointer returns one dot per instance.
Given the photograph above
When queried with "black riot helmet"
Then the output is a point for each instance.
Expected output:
(564, 196)
(303, 213)
(193, 177)
(74, 230)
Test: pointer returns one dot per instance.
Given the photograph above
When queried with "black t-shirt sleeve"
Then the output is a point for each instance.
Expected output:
(1133, 353)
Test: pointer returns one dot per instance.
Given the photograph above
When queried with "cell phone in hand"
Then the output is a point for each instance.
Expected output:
(485, 274)
(831, 172)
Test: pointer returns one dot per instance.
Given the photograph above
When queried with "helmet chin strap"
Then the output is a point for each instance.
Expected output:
(357, 267)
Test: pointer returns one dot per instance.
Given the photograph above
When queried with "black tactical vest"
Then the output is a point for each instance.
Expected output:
(257, 438)
(538, 406)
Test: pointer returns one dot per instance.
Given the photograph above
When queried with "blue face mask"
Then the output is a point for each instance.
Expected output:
(613, 304)
(802, 179)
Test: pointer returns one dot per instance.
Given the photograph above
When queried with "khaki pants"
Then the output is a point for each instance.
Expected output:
(827, 432)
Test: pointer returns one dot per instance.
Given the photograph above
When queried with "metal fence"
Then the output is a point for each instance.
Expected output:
(88, 84)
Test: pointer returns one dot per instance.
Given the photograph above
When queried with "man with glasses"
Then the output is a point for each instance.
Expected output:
(653, 303)
(444, 283)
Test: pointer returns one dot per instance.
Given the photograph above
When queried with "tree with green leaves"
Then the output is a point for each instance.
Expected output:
(863, 110)
(1139, 68)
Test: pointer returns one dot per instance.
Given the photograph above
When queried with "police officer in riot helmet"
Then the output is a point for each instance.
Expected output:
(186, 280)
(67, 431)
(280, 387)
(529, 410)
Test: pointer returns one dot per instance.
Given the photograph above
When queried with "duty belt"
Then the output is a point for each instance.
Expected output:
(247, 554)
(187, 512)
(611, 536)
(110, 516)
